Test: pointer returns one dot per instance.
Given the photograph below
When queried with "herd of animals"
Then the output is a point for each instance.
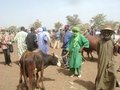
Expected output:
(31, 63)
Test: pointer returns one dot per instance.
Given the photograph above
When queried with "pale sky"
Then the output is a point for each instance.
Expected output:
(25, 12)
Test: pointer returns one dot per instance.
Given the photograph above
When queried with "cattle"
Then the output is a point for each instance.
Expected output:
(30, 65)
(93, 46)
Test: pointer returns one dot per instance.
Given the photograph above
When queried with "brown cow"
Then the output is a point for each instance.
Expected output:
(94, 41)
(93, 45)
(35, 61)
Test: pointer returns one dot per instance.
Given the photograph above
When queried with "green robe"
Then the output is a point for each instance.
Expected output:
(75, 57)
(106, 77)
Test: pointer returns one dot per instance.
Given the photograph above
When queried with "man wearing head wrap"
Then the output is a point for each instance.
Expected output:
(42, 40)
(76, 44)
(106, 75)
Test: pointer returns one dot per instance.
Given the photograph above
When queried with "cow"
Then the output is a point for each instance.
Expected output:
(93, 46)
(33, 62)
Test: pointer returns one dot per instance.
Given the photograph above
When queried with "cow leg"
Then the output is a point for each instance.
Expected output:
(88, 55)
(91, 55)
(37, 80)
(42, 85)
(30, 69)
(83, 56)
(20, 80)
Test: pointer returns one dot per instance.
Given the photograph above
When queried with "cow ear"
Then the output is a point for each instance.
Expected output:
(53, 55)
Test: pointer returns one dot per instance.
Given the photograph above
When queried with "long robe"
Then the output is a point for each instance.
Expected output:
(75, 59)
(20, 39)
(42, 41)
(106, 76)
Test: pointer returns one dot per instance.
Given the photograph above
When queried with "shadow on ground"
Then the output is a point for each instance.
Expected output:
(2, 62)
(86, 84)
(64, 71)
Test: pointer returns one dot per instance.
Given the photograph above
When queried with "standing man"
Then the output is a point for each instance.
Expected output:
(31, 40)
(42, 40)
(57, 39)
(106, 78)
(66, 39)
(75, 46)
(20, 39)
(5, 42)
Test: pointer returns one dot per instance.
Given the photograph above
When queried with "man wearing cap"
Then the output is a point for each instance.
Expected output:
(76, 44)
(106, 77)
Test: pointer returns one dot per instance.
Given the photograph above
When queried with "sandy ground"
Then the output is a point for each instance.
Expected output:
(55, 78)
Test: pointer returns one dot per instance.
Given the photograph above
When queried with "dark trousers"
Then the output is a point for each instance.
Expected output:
(64, 52)
(7, 56)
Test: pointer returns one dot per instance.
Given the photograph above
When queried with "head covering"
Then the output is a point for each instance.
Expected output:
(76, 28)
(39, 29)
(107, 28)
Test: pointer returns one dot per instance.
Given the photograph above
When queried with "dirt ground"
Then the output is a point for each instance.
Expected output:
(55, 78)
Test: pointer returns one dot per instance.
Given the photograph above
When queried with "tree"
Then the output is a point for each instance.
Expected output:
(84, 27)
(12, 29)
(58, 25)
(73, 20)
(98, 21)
(36, 24)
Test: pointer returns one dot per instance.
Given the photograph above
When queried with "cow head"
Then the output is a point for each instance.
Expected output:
(55, 60)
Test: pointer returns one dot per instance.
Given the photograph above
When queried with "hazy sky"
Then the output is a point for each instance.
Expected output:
(25, 12)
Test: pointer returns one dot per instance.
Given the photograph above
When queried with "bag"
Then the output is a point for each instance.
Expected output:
(10, 46)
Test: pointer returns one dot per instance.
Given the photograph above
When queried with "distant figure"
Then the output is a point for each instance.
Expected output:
(118, 31)
(5, 47)
(106, 75)
(92, 32)
(31, 40)
(66, 39)
(20, 39)
(57, 40)
(43, 40)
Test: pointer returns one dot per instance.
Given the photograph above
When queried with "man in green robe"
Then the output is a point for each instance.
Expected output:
(106, 77)
(76, 43)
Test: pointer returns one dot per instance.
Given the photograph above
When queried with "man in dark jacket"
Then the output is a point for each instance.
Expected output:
(31, 40)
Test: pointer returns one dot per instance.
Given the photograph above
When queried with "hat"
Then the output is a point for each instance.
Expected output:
(107, 28)
(76, 28)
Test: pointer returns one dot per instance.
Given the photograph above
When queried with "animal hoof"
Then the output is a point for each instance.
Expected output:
(38, 86)
(42, 88)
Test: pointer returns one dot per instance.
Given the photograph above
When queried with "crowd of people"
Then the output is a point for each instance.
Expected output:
(73, 44)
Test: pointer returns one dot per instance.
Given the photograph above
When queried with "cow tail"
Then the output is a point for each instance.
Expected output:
(24, 69)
